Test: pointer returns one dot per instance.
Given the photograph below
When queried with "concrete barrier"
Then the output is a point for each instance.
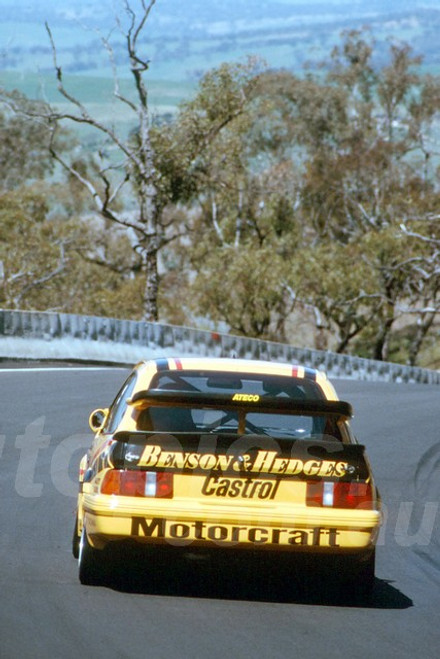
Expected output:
(61, 336)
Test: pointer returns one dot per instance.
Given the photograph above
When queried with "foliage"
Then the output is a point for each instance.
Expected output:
(53, 253)
(267, 197)
(313, 178)
(44, 259)
(241, 288)
(23, 145)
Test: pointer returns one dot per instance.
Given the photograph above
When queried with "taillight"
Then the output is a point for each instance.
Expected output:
(138, 483)
(340, 494)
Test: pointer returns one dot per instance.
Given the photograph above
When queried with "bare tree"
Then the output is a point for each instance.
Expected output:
(123, 179)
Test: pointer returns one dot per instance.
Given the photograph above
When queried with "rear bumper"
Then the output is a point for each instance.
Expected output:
(280, 528)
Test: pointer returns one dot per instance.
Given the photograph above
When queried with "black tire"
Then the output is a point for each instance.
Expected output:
(341, 579)
(75, 539)
(358, 582)
(90, 563)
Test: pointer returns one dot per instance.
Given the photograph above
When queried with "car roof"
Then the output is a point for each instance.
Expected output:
(230, 365)
(149, 368)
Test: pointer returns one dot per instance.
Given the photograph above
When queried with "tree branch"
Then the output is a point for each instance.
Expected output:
(45, 278)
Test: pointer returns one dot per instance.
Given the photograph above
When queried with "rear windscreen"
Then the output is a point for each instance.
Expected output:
(203, 420)
(275, 424)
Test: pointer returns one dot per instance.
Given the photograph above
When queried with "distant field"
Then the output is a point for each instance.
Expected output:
(164, 96)
(184, 40)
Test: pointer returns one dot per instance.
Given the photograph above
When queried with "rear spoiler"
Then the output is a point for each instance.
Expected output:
(281, 404)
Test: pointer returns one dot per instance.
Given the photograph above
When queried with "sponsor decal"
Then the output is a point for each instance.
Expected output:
(262, 462)
(187, 532)
(246, 398)
(249, 488)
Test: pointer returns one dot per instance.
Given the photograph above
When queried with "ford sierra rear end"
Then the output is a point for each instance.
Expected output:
(232, 456)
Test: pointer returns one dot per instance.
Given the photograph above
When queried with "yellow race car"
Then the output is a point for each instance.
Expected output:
(227, 455)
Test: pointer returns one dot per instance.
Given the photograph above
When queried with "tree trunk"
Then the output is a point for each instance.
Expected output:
(150, 306)
(381, 346)
(423, 326)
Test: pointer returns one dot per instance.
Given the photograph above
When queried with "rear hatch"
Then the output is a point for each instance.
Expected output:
(270, 472)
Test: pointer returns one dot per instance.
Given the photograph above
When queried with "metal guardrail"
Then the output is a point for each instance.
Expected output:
(52, 335)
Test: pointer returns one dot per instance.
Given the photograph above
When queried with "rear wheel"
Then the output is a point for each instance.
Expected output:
(90, 563)
(345, 579)
(358, 578)
(75, 538)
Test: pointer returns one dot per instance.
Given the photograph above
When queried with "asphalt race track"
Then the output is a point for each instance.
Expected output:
(194, 610)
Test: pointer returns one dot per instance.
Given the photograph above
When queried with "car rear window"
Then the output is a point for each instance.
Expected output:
(204, 420)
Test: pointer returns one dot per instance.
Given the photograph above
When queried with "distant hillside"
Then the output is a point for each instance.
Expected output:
(184, 39)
